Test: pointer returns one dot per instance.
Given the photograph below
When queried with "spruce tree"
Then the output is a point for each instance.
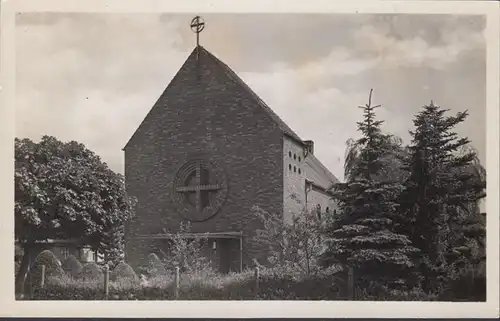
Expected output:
(363, 235)
(440, 194)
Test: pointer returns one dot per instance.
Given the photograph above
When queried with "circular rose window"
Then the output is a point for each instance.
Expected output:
(199, 190)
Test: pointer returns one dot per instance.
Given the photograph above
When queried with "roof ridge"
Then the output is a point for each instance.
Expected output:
(323, 167)
(232, 74)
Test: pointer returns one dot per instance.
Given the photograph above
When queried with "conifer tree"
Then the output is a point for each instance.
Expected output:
(363, 235)
(440, 196)
(113, 245)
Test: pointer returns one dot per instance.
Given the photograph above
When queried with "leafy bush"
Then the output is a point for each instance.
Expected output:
(72, 266)
(123, 271)
(186, 254)
(90, 272)
(292, 247)
(52, 268)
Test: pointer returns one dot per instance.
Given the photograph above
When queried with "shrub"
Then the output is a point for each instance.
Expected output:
(155, 266)
(277, 284)
(470, 286)
(52, 268)
(123, 271)
(294, 247)
(68, 288)
(90, 272)
(185, 253)
(72, 266)
(376, 291)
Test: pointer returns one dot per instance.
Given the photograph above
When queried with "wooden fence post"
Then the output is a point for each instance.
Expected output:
(177, 282)
(106, 282)
(31, 294)
(42, 281)
(257, 280)
(350, 283)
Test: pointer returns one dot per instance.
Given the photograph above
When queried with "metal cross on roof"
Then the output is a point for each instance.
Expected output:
(197, 25)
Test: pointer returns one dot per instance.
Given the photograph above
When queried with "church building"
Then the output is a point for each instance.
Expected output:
(209, 151)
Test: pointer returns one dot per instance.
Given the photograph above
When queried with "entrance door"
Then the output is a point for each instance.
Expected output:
(225, 255)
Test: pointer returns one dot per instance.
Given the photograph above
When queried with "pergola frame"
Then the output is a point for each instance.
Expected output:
(208, 235)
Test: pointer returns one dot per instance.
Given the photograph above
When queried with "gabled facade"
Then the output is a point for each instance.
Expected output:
(208, 152)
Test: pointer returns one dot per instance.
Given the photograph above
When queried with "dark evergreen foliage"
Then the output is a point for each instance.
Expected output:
(440, 199)
(363, 236)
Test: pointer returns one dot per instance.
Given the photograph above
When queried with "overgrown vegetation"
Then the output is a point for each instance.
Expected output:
(186, 254)
(274, 285)
(292, 247)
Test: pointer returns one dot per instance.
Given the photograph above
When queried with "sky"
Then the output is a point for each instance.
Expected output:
(94, 77)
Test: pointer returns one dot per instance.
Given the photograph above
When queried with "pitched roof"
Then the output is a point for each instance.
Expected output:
(206, 56)
(232, 75)
(315, 170)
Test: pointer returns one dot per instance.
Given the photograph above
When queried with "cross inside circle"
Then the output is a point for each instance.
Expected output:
(197, 24)
(197, 185)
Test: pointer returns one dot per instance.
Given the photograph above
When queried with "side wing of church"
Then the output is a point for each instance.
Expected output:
(208, 151)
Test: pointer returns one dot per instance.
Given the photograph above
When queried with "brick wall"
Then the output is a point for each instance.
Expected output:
(293, 179)
(204, 112)
(315, 198)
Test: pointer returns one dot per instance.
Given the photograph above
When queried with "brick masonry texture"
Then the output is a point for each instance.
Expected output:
(204, 111)
(293, 181)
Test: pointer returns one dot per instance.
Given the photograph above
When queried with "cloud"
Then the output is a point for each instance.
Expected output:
(392, 52)
(94, 77)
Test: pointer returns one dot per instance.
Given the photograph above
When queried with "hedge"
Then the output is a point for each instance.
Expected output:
(123, 271)
(52, 269)
(72, 266)
(91, 272)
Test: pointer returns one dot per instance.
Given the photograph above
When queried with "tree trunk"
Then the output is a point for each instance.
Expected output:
(24, 268)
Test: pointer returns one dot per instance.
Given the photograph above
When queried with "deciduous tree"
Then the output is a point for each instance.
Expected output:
(64, 191)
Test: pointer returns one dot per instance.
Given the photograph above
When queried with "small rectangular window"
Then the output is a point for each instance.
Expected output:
(65, 252)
